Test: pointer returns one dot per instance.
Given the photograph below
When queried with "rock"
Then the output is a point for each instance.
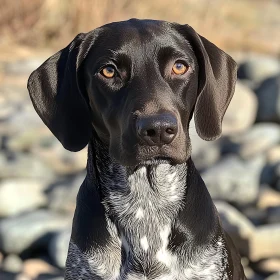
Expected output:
(25, 166)
(12, 263)
(273, 214)
(204, 153)
(273, 155)
(8, 276)
(257, 68)
(242, 111)
(20, 233)
(58, 247)
(257, 140)
(268, 198)
(62, 195)
(23, 194)
(1, 259)
(61, 160)
(23, 66)
(255, 215)
(268, 94)
(269, 266)
(234, 180)
(236, 225)
(275, 276)
(32, 268)
(265, 242)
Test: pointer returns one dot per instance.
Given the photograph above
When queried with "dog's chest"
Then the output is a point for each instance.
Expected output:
(141, 212)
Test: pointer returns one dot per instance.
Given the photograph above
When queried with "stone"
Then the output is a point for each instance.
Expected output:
(273, 215)
(236, 225)
(268, 94)
(269, 266)
(234, 180)
(62, 195)
(273, 155)
(259, 139)
(242, 111)
(32, 268)
(204, 153)
(265, 242)
(12, 263)
(268, 198)
(58, 247)
(22, 194)
(25, 166)
(274, 276)
(22, 66)
(258, 68)
(30, 230)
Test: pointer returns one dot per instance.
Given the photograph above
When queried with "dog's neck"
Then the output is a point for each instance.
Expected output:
(151, 218)
(138, 199)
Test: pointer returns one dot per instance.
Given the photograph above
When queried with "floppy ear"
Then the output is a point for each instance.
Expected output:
(57, 94)
(216, 84)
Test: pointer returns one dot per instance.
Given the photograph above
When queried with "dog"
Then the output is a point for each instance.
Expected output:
(129, 90)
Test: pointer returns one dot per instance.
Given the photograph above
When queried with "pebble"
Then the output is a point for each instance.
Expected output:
(12, 263)
(236, 225)
(234, 180)
(58, 247)
(268, 198)
(268, 94)
(269, 266)
(265, 242)
(242, 111)
(29, 230)
(23, 194)
(33, 268)
(257, 140)
(62, 195)
(258, 68)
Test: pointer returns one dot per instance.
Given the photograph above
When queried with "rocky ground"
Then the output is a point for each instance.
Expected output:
(39, 180)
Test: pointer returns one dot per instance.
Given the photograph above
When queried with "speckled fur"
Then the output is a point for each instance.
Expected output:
(157, 191)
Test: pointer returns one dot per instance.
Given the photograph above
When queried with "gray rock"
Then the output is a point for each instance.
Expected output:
(62, 195)
(17, 195)
(242, 111)
(257, 68)
(34, 230)
(204, 153)
(58, 247)
(274, 276)
(257, 140)
(268, 94)
(25, 166)
(234, 180)
(12, 263)
(236, 225)
(273, 215)
(22, 67)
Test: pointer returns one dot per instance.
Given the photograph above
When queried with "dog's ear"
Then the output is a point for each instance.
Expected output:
(57, 93)
(216, 84)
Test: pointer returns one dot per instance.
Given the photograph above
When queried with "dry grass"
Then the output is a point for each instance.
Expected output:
(252, 25)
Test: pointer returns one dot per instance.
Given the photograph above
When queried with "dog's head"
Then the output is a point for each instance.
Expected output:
(135, 85)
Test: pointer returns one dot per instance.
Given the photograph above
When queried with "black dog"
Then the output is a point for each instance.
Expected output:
(129, 90)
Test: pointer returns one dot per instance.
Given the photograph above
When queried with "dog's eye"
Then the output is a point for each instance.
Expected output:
(179, 68)
(108, 72)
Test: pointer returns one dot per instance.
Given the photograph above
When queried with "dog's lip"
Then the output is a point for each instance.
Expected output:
(155, 161)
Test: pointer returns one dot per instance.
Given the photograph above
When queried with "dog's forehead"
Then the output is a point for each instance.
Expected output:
(135, 33)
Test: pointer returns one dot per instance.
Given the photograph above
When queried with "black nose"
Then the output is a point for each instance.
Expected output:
(157, 130)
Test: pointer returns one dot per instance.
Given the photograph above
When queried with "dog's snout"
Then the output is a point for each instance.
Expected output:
(157, 130)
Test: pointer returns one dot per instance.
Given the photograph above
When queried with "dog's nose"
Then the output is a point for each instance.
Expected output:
(157, 130)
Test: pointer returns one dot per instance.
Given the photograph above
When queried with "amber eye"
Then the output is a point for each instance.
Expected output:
(179, 68)
(108, 72)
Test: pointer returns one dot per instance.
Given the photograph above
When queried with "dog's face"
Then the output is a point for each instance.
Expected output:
(137, 84)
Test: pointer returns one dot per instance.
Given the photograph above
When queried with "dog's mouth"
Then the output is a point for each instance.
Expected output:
(156, 161)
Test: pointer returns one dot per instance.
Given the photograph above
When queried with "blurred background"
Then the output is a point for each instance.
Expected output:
(39, 180)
